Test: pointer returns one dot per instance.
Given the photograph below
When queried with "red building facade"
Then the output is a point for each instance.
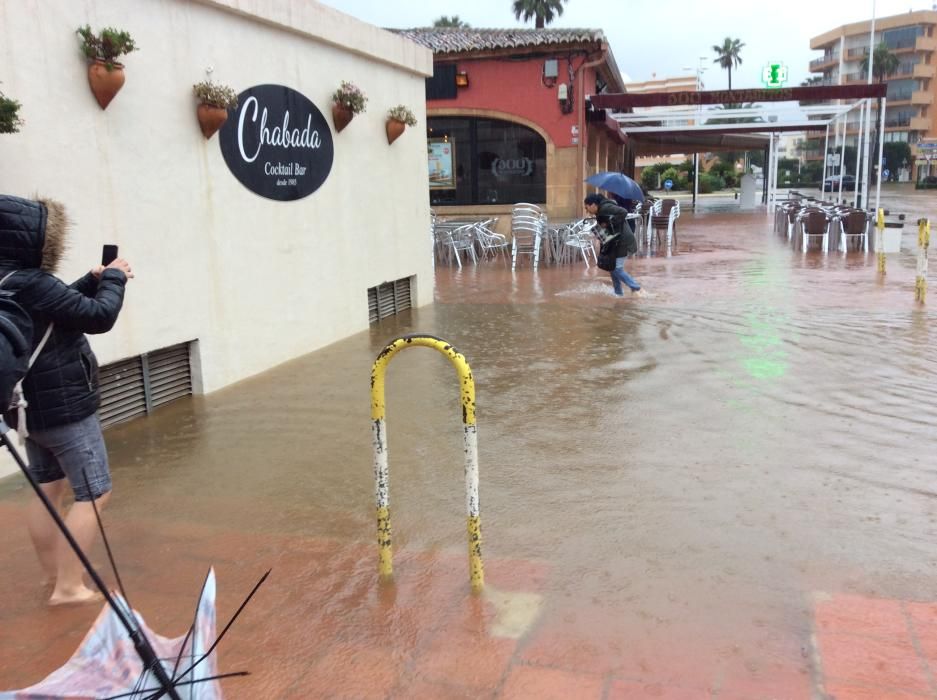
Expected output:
(507, 118)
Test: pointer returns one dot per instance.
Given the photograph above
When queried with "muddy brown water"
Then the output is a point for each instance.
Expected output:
(698, 464)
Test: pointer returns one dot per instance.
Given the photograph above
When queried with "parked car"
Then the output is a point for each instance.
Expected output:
(831, 184)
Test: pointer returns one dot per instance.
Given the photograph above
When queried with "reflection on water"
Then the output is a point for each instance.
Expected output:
(697, 463)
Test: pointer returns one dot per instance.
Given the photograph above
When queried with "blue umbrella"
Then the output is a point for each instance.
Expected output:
(617, 183)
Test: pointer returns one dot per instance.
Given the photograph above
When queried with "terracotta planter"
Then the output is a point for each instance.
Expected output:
(394, 128)
(210, 118)
(341, 116)
(105, 83)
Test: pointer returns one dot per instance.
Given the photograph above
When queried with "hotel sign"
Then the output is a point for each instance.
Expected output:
(277, 143)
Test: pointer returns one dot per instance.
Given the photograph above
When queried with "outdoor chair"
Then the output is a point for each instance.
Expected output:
(815, 224)
(489, 242)
(854, 224)
(461, 239)
(578, 236)
(526, 234)
(664, 217)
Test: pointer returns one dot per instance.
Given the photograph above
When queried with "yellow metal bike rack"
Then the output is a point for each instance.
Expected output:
(880, 240)
(923, 242)
(470, 443)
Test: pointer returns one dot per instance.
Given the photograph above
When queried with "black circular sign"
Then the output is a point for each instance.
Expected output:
(277, 143)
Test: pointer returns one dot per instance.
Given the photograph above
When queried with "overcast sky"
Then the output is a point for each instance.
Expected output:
(665, 36)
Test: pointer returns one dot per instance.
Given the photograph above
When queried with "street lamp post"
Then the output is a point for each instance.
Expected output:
(700, 69)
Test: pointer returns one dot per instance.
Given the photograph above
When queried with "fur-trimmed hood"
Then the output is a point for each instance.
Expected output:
(33, 233)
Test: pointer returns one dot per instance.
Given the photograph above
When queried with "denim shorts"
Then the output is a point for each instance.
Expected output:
(72, 451)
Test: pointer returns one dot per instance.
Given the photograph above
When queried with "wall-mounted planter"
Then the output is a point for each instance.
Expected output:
(341, 116)
(210, 118)
(105, 81)
(394, 128)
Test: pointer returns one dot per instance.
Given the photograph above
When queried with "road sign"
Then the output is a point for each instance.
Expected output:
(885, 173)
(668, 184)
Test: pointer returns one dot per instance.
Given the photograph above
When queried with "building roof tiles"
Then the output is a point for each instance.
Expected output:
(452, 40)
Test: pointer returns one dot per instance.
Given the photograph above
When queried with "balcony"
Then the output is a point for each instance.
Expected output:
(922, 97)
(926, 43)
(920, 123)
(857, 53)
(826, 61)
(922, 70)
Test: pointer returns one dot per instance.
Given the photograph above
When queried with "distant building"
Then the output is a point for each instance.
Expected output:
(910, 112)
(506, 118)
(683, 83)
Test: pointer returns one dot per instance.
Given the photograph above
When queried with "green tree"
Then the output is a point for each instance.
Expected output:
(897, 155)
(727, 55)
(453, 21)
(812, 81)
(543, 11)
(10, 121)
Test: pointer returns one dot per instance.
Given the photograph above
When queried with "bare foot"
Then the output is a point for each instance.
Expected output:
(80, 596)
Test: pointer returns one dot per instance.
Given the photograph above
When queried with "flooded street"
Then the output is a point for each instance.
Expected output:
(677, 491)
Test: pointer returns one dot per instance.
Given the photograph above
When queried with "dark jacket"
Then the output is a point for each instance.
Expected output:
(613, 232)
(62, 386)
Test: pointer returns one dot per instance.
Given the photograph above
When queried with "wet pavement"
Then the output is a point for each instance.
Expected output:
(722, 490)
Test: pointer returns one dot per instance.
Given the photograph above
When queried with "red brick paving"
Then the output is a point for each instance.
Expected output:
(322, 627)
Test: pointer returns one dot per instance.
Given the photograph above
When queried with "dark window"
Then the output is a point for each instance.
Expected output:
(442, 85)
(495, 161)
(902, 38)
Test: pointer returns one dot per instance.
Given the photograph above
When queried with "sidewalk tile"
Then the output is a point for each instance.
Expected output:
(851, 614)
(631, 690)
(526, 682)
(845, 691)
(890, 663)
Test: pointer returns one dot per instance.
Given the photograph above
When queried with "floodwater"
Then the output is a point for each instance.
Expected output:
(670, 488)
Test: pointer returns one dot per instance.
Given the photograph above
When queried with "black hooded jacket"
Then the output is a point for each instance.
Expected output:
(616, 236)
(62, 386)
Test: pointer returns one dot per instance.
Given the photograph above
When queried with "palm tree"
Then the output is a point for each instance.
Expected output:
(727, 55)
(545, 11)
(884, 64)
(812, 81)
(453, 21)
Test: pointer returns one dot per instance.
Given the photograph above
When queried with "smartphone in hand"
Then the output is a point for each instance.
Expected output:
(108, 254)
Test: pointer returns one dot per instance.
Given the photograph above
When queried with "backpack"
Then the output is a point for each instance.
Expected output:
(16, 335)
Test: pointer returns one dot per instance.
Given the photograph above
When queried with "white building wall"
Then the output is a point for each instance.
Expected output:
(256, 281)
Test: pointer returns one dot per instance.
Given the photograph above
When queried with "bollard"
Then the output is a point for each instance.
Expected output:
(923, 241)
(880, 240)
(470, 449)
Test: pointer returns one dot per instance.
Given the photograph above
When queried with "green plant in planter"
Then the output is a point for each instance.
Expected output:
(215, 94)
(403, 114)
(350, 97)
(106, 46)
(10, 121)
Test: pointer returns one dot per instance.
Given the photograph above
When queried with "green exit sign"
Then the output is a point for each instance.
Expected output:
(774, 75)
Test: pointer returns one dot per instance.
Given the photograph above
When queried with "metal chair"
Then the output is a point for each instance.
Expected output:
(815, 224)
(854, 224)
(489, 242)
(578, 236)
(461, 239)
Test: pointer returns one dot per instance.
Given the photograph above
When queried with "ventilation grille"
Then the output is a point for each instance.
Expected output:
(138, 385)
(388, 299)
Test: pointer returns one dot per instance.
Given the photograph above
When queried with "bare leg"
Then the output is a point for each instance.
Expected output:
(69, 584)
(43, 531)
